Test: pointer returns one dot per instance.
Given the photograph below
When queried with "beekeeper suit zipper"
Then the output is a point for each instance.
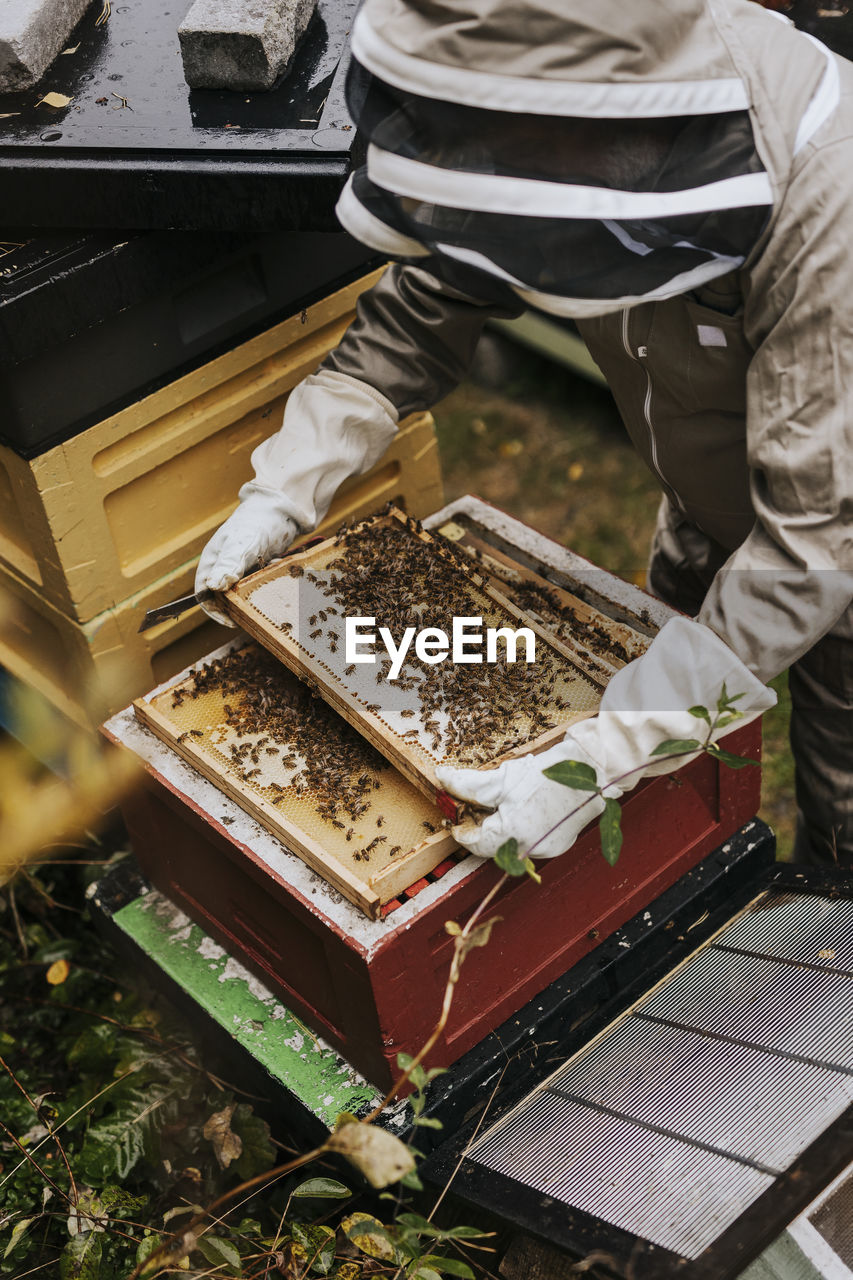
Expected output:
(639, 358)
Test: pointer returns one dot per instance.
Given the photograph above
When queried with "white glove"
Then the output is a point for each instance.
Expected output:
(645, 704)
(334, 426)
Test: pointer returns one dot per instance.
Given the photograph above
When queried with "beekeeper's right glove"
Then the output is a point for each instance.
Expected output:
(334, 426)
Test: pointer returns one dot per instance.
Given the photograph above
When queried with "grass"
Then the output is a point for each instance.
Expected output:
(550, 448)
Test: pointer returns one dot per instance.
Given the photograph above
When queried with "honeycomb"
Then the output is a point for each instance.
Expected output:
(267, 736)
(446, 713)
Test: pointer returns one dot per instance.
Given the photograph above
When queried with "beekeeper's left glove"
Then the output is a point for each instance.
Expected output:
(650, 701)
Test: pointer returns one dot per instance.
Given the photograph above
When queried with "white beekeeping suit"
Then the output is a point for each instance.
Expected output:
(678, 179)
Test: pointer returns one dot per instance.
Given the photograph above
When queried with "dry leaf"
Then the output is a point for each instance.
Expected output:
(478, 937)
(227, 1146)
(72, 48)
(54, 100)
(58, 972)
(378, 1155)
(7, 115)
(510, 448)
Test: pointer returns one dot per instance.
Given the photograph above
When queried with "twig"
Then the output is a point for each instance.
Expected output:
(28, 1156)
(469, 1144)
(10, 1073)
(168, 1251)
(449, 991)
(174, 1050)
(18, 926)
(83, 1107)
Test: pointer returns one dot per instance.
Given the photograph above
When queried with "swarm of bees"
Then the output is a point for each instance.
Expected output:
(469, 713)
(275, 715)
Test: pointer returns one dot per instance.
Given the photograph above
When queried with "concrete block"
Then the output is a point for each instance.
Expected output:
(240, 44)
(32, 33)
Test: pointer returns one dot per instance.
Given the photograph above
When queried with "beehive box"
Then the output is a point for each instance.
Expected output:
(249, 725)
(374, 988)
(91, 669)
(112, 510)
(388, 570)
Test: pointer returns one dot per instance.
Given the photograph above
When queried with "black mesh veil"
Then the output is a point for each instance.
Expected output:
(563, 210)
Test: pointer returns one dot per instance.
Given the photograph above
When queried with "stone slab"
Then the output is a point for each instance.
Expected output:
(241, 44)
(32, 33)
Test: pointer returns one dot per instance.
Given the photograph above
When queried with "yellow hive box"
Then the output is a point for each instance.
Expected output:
(102, 516)
(90, 669)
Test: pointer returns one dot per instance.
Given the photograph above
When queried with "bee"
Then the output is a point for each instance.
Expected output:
(430, 827)
(380, 820)
(315, 634)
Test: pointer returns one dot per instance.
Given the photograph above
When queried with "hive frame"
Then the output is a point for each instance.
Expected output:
(370, 725)
(366, 891)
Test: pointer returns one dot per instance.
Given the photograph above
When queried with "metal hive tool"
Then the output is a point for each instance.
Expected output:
(679, 1116)
(405, 829)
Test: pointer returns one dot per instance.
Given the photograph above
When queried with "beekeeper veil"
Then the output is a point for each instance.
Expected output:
(585, 155)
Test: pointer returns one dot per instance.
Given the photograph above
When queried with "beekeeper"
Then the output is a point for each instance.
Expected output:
(681, 183)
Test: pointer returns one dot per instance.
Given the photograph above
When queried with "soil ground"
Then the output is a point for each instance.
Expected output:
(549, 447)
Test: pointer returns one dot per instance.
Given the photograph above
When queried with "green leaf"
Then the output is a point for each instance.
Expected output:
(727, 700)
(610, 828)
(323, 1189)
(727, 717)
(727, 758)
(465, 1233)
(146, 1247)
(701, 713)
(420, 1271)
(573, 773)
(412, 1182)
(319, 1244)
(508, 860)
(119, 1203)
(449, 1266)
(220, 1252)
(675, 746)
(18, 1233)
(415, 1222)
(93, 1049)
(111, 1149)
(427, 1122)
(530, 868)
(258, 1153)
(81, 1257)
